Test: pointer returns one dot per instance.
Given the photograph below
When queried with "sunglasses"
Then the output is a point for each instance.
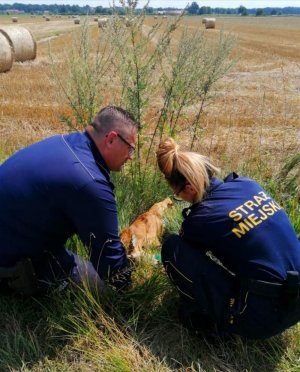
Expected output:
(131, 149)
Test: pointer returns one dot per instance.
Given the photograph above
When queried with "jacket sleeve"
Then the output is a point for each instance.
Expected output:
(197, 232)
(94, 215)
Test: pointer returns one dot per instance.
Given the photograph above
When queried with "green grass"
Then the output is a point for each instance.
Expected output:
(137, 330)
(134, 331)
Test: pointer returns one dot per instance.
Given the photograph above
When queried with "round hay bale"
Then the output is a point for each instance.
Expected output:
(96, 19)
(47, 18)
(155, 17)
(165, 17)
(210, 23)
(77, 21)
(204, 21)
(14, 20)
(102, 22)
(22, 42)
(129, 21)
(6, 54)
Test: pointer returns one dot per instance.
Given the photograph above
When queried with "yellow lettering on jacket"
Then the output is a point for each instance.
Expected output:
(258, 199)
(263, 216)
(250, 204)
(264, 195)
(252, 213)
(235, 215)
(240, 230)
(275, 206)
(241, 208)
(269, 210)
(254, 219)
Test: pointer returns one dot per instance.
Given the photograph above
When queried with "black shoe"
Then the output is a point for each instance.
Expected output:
(194, 318)
(200, 324)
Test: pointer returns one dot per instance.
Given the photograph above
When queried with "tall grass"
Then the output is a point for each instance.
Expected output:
(76, 330)
(133, 331)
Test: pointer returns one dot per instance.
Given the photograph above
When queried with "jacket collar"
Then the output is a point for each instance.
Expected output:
(214, 183)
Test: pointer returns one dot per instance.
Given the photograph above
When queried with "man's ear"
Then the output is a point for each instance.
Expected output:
(110, 137)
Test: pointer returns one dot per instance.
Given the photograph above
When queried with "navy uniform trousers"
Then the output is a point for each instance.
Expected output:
(54, 273)
(211, 299)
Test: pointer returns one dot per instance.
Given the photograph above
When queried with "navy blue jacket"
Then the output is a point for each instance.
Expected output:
(52, 190)
(245, 229)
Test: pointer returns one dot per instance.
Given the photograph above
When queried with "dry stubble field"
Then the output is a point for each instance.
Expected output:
(255, 115)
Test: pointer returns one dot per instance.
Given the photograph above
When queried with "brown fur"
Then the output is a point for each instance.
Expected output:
(146, 230)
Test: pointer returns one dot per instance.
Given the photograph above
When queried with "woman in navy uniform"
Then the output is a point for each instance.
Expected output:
(251, 286)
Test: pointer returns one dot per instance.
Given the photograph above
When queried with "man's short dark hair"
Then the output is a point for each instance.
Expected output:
(110, 117)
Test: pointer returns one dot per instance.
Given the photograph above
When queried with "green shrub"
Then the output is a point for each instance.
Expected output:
(147, 73)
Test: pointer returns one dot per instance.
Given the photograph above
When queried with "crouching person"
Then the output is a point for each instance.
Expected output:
(59, 187)
(253, 287)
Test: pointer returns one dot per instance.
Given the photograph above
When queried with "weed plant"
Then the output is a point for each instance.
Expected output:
(155, 78)
(82, 82)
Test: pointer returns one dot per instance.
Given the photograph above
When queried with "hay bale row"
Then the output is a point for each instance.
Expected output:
(163, 17)
(209, 22)
(16, 44)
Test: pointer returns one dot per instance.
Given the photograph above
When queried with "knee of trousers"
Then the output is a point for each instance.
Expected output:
(169, 248)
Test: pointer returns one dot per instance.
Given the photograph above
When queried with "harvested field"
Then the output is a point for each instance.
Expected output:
(255, 113)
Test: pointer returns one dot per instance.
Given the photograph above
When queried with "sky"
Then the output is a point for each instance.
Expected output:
(172, 3)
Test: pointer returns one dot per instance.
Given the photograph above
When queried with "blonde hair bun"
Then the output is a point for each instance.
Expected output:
(166, 155)
(181, 167)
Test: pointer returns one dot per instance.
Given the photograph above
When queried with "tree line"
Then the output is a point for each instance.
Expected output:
(193, 9)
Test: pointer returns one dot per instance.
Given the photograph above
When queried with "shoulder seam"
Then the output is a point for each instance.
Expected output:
(63, 138)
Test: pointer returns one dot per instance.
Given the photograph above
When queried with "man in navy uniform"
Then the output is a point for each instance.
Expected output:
(59, 187)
